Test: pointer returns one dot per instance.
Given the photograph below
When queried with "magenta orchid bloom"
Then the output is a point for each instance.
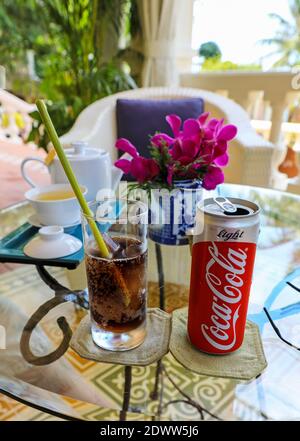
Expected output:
(186, 144)
(213, 177)
(197, 150)
(142, 169)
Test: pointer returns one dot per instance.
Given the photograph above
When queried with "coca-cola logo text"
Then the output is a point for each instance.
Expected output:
(223, 277)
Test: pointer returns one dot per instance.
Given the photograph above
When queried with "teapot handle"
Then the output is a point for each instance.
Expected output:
(23, 169)
(116, 173)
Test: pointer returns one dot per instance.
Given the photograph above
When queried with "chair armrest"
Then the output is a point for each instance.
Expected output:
(97, 125)
(248, 148)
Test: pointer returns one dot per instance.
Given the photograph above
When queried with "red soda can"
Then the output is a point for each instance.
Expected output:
(222, 265)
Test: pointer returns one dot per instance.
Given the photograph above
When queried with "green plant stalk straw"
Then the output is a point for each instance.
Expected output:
(42, 108)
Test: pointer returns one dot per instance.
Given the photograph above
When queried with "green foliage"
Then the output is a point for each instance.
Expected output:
(287, 38)
(209, 50)
(19, 29)
(76, 47)
(164, 160)
(215, 64)
(81, 31)
(132, 53)
(212, 55)
(62, 117)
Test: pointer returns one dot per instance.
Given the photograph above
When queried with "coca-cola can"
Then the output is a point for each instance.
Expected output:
(222, 266)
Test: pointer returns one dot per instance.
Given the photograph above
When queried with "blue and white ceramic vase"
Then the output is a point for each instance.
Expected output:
(172, 213)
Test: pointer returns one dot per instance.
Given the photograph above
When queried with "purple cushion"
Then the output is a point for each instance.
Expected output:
(137, 119)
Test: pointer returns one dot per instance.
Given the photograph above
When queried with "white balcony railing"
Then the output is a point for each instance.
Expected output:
(15, 122)
(2, 77)
(265, 95)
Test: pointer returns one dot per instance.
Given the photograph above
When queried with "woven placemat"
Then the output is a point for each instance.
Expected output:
(244, 364)
(155, 346)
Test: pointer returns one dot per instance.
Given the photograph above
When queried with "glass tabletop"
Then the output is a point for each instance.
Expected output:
(75, 388)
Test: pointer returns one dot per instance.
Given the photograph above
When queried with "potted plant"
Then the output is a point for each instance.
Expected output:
(182, 164)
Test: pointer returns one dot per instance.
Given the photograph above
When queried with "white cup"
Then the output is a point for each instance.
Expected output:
(60, 212)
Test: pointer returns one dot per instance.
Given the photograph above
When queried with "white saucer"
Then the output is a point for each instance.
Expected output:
(34, 221)
(51, 243)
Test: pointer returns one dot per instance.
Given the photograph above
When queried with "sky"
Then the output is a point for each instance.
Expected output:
(237, 26)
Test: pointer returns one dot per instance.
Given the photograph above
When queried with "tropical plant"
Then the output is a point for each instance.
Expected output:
(76, 43)
(19, 29)
(132, 50)
(85, 36)
(212, 59)
(287, 38)
(216, 64)
(210, 49)
(62, 116)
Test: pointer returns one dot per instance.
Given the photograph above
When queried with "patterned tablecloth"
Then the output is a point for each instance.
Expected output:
(73, 387)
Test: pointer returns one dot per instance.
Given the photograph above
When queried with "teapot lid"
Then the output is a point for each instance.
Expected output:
(80, 150)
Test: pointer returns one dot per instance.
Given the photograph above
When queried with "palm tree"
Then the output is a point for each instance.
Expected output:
(287, 38)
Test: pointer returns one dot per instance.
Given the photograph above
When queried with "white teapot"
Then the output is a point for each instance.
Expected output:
(92, 167)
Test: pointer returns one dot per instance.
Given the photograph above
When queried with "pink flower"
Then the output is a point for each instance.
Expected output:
(170, 174)
(174, 122)
(215, 141)
(220, 155)
(126, 146)
(197, 137)
(185, 144)
(184, 150)
(162, 139)
(213, 177)
(227, 133)
(190, 131)
(142, 169)
(202, 118)
(196, 150)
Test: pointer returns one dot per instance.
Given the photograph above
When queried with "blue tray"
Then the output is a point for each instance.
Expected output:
(12, 245)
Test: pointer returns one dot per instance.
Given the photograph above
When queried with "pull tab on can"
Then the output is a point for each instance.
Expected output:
(225, 204)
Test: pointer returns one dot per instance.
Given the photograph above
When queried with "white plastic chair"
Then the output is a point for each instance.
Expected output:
(251, 157)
